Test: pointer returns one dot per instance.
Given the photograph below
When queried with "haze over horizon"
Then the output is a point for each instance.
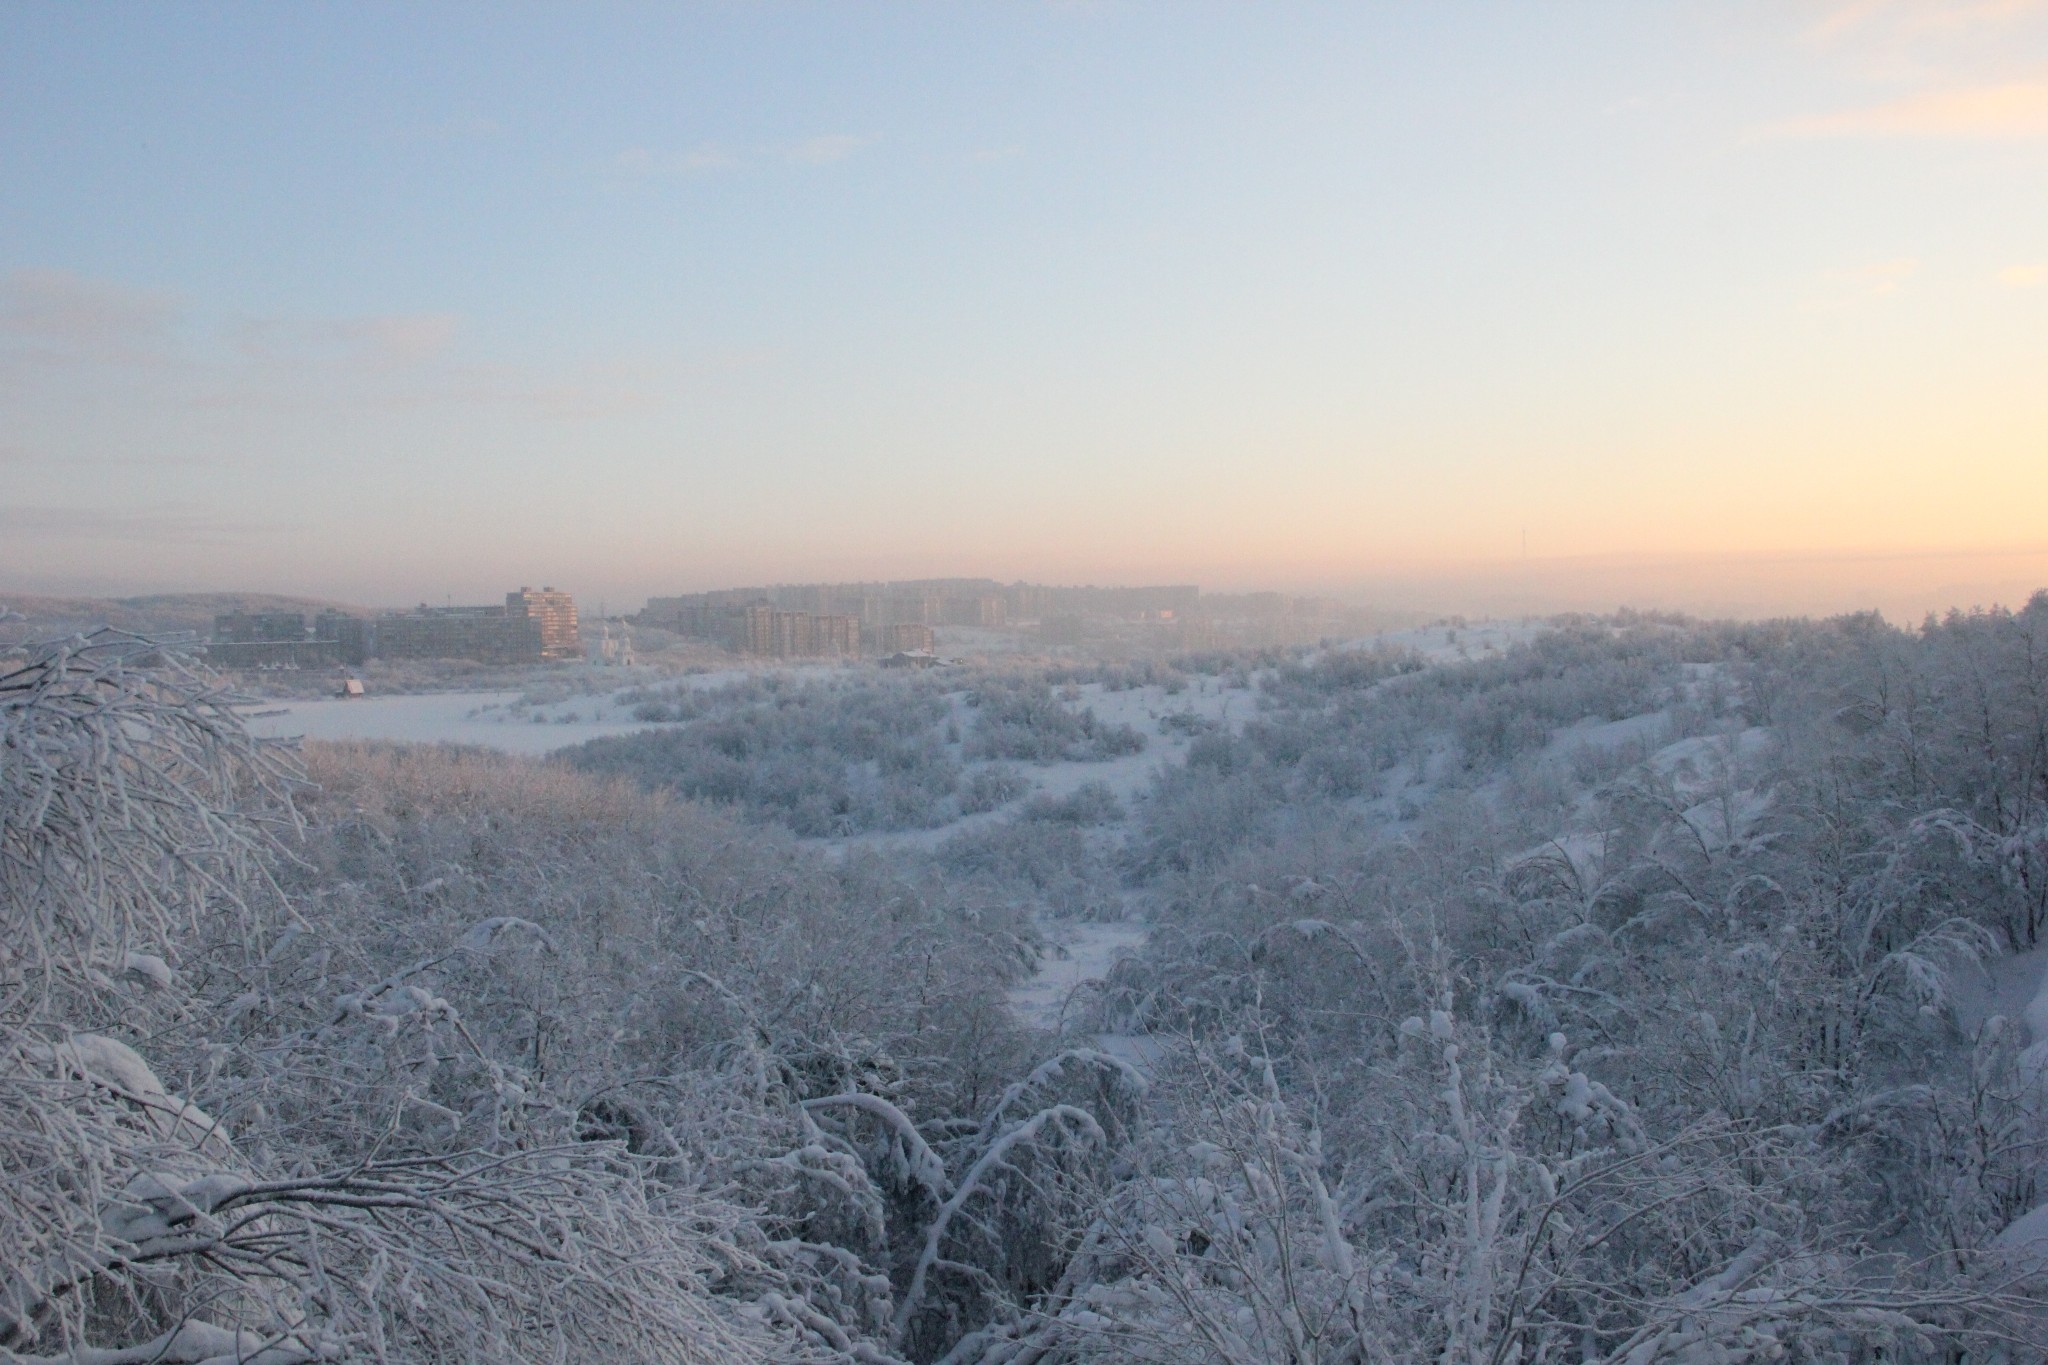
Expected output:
(1725, 307)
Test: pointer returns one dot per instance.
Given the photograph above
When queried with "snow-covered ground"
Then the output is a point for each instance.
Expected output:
(1079, 954)
(481, 718)
(1085, 952)
(1451, 644)
(546, 717)
(2007, 986)
(514, 723)
(1142, 708)
(1129, 776)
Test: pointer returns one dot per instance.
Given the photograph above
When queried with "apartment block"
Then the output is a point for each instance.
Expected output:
(531, 627)
(267, 639)
(551, 619)
(774, 633)
(259, 627)
(878, 608)
(484, 634)
(908, 637)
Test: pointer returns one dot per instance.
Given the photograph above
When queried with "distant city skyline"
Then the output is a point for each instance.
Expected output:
(1738, 306)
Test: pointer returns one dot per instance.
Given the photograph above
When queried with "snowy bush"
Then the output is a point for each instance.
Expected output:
(991, 787)
(821, 758)
(1091, 803)
(141, 830)
(1022, 718)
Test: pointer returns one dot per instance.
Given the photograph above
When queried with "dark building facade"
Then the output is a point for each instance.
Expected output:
(484, 634)
(259, 627)
(972, 602)
(350, 634)
(267, 639)
(532, 627)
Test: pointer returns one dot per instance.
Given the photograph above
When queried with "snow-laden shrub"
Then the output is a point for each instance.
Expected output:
(1091, 803)
(822, 759)
(1023, 719)
(139, 834)
(991, 787)
(1053, 862)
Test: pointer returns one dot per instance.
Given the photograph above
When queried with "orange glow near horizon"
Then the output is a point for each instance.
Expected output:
(1352, 300)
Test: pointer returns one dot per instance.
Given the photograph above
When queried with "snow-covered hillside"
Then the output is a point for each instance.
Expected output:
(1636, 991)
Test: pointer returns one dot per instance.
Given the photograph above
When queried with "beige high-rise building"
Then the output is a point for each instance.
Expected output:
(553, 621)
(773, 633)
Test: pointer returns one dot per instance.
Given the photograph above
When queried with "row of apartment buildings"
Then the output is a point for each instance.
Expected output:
(830, 619)
(531, 627)
(720, 615)
(773, 633)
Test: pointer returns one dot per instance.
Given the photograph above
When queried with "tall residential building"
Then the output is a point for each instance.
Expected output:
(772, 633)
(552, 616)
(836, 635)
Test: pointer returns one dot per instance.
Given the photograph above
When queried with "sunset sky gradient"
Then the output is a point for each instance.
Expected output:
(392, 302)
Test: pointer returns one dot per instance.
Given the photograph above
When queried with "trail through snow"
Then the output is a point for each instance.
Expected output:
(2009, 994)
(1076, 953)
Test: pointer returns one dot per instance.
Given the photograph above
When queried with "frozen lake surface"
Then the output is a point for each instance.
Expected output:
(480, 718)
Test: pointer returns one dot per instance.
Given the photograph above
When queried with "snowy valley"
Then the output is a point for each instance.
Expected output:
(1626, 989)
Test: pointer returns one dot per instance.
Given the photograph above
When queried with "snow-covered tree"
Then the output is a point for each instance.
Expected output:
(137, 820)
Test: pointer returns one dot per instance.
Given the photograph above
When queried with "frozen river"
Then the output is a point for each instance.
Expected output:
(480, 718)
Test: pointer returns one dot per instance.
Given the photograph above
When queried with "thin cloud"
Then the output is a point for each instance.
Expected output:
(403, 338)
(380, 341)
(326, 383)
(641, 163)
(52, 321)
(58, 308)
(1884, 277)
(989, 154)
(95, 523)
(1920, 16)
(2023, 276)
(2017, 109)
(458, 128)
(646, 163)
(24, 458)
(823, 150)
(585, 393)
(1863, 283)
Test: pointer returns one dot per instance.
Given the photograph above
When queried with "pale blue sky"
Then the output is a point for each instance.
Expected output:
(389, 302)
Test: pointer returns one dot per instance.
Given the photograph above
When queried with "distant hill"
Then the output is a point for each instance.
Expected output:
(49, 617)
